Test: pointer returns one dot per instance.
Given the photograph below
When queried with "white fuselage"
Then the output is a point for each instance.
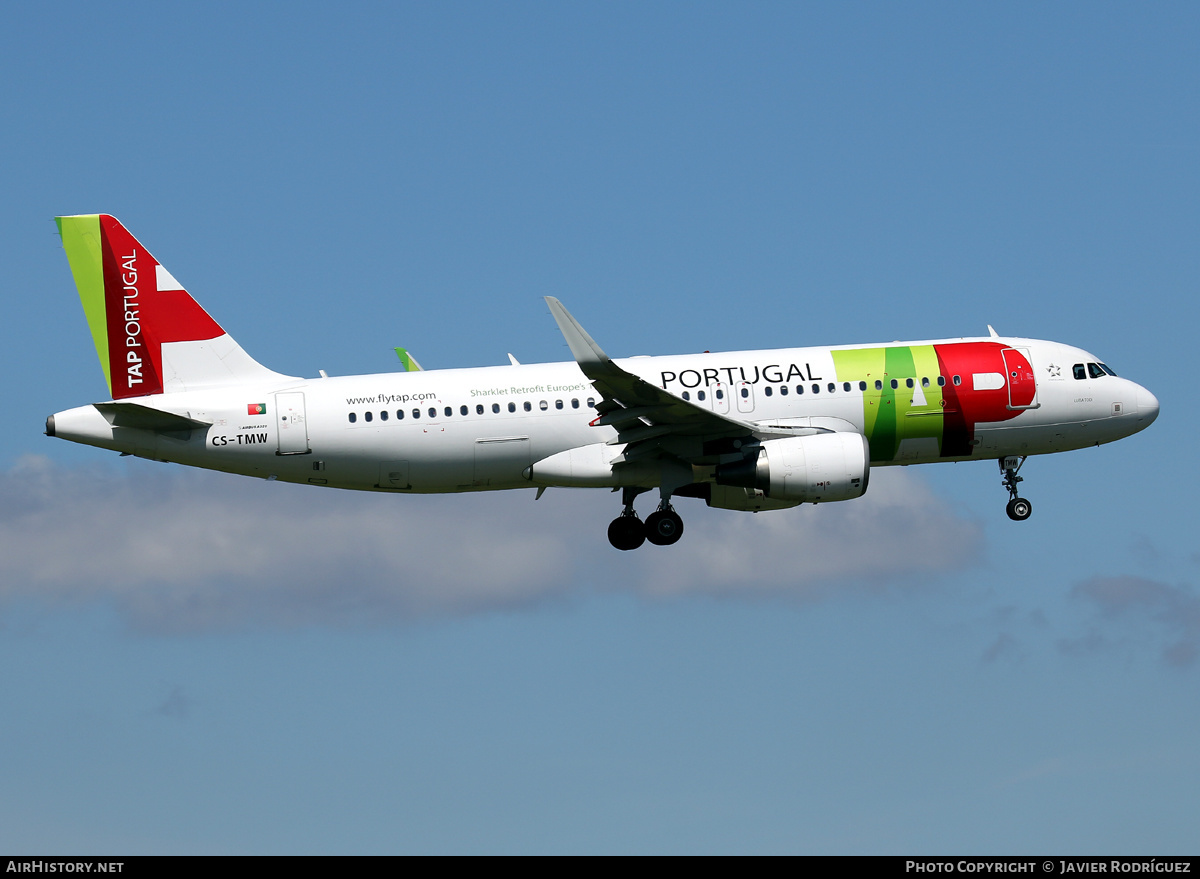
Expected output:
(480, 429)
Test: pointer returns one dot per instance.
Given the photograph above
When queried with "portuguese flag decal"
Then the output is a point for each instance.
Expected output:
(256, 408)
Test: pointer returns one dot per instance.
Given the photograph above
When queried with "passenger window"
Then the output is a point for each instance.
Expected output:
(416, 413)
(700, 396)
(462, 410)
(941, 381)
(862, 386)
(367, 416)
(448, 411)
(399, 414)
(895, 384)
(908, 382)
(845, 386)
(543, 405)
(479, 409)
(878, 385)
(575, 404)
(720, 394)
(745, 393)
(958, 380)
(383, 415)
(799, 389)
(353, 418)
(512, 407)
(925, 382)
(1095, 371)
(528, 406)
(831, 387)
(816, 388)
(495, 408)
(432, 412)
(783, 390)
(591, 402)
(558, 404)
(767, 391)
(686, 395)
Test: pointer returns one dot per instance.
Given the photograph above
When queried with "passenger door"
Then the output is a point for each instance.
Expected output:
(1022, 386)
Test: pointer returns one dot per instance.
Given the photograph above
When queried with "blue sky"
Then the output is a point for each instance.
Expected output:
(193, 662)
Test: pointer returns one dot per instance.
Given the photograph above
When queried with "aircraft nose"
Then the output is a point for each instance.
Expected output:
(1147, 405)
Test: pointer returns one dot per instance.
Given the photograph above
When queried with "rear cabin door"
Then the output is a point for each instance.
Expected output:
(291, 424)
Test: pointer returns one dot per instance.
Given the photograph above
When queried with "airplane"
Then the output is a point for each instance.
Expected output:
(741, 430)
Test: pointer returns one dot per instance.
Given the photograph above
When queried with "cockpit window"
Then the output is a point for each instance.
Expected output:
(1104, 366)
(1095, 371)
(1078, 371)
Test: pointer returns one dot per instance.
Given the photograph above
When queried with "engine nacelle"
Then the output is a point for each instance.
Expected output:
(734, 497)
(813, 469)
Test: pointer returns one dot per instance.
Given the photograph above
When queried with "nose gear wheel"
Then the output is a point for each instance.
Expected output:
(1018, 508)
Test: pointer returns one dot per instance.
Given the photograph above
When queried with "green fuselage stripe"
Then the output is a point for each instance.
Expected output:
(891, 415)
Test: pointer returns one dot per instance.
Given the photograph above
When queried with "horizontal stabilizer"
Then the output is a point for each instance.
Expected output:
(142, 417)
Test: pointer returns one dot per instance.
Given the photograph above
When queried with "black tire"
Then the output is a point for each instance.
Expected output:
(664, 527)
(1019, 509)
(626, 533)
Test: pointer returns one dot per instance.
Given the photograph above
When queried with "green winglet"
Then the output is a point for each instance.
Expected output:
(408, 361)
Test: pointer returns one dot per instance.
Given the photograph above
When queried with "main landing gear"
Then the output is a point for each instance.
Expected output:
(1018, 508)
(662, 527)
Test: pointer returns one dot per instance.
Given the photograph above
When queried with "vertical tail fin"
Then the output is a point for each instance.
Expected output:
(150, 334)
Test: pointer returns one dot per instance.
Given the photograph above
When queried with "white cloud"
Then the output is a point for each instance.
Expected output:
(899, 530)
(186, 550)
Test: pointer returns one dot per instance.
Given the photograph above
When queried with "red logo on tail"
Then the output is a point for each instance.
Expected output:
(141, 318)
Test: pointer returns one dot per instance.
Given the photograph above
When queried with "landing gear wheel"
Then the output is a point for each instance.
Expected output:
(664, 527)
(1018, 509)
(626, 532)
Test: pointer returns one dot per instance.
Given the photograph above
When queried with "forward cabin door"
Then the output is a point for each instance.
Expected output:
(1018, 371)
(291, 423)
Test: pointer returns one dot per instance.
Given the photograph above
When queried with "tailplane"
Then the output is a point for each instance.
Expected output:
(151, 335)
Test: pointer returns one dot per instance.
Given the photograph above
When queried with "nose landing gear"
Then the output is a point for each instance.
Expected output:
(1018, 508)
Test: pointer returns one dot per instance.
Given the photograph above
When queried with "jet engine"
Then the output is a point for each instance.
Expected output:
(814, 469)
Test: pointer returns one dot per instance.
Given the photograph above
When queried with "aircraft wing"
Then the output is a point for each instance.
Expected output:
(648, 419)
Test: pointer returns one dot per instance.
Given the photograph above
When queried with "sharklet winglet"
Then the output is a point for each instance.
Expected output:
(583, 347)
